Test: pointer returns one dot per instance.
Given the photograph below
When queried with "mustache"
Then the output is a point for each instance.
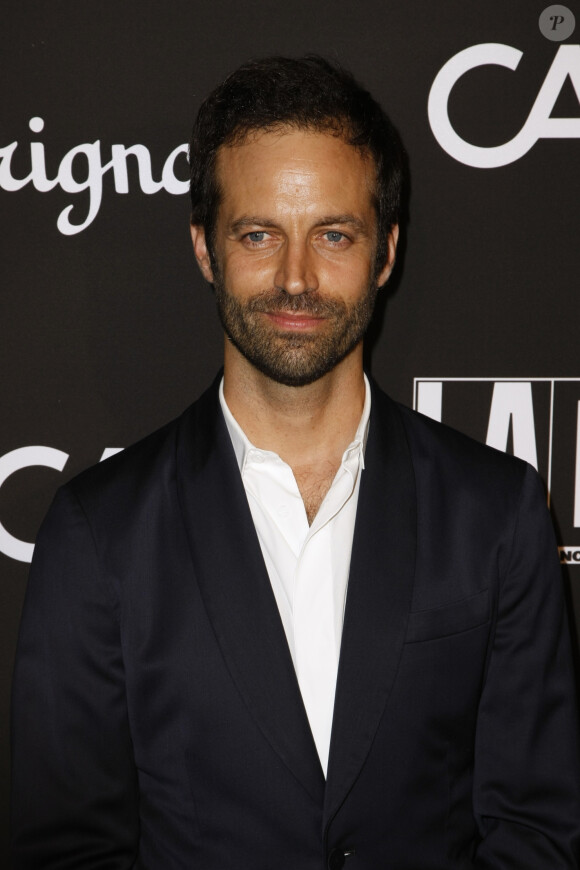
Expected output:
(278, 301)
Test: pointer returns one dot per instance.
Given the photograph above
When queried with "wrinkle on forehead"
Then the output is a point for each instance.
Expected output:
(307, 170)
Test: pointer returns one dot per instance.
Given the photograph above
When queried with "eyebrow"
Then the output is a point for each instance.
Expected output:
(349, 219)
(328, 220)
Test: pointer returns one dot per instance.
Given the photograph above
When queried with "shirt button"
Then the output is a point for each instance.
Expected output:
(257, 457)
(337, 857)
(283, 510)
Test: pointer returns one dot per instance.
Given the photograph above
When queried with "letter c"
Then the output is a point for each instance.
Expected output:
(24, 457)
(446, 78)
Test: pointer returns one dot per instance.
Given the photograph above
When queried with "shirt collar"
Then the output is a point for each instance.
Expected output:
(242, 444)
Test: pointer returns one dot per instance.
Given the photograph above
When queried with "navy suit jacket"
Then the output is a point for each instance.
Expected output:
(158, 722)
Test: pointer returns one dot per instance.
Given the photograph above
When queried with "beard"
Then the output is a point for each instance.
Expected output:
(292, 358)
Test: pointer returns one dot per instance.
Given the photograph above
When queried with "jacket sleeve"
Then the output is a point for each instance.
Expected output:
(527, 770)
(74, 792)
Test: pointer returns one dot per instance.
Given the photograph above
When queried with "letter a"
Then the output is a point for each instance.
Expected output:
(512, 403)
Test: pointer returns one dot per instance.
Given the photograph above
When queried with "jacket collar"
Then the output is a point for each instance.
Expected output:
(236, 590)
(379, 597)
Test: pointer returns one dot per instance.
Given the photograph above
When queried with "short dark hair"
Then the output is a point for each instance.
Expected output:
(306, 93)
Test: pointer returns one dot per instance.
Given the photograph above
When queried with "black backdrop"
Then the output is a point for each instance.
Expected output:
(109, 331)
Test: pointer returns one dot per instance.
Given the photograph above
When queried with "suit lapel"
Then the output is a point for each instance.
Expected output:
(378, 600)
(236, 590)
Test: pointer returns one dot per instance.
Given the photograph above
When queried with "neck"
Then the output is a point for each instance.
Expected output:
(303, 425)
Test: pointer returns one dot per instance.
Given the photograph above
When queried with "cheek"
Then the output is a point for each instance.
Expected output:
(348, 279)
(244, 274)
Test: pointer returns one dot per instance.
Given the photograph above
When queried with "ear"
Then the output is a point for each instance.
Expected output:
(201, 252)
(392, 250)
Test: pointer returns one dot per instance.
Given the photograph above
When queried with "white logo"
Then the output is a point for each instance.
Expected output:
(538, 125)
(25, 457)
(538, 419)
(570, 555)
(88, 155)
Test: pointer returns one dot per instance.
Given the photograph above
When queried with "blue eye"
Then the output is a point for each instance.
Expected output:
(258, 236)
(334, 236)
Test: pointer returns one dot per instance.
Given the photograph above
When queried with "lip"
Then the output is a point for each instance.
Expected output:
(286, 320)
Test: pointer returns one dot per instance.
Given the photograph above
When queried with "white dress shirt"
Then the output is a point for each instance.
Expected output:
(308, 566)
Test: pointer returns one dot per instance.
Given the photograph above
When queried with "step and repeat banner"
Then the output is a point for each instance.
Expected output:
(108, 330)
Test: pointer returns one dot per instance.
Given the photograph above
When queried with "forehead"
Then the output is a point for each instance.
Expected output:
(290, 170)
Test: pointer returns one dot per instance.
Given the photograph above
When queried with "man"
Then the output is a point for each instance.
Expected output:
(301, 626)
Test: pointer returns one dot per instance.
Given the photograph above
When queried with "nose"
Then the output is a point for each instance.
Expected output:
(296, 273)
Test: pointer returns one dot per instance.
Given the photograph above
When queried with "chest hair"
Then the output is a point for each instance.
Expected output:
(313, 483)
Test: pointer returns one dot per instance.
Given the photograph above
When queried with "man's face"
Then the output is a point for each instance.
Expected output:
(294, 251)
